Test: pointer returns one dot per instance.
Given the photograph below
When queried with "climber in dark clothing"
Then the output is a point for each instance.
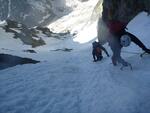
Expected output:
(97, 51)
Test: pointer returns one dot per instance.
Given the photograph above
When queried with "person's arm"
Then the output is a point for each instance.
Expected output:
(104, 50)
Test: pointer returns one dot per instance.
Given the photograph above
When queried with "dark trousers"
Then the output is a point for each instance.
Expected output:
(136, 41)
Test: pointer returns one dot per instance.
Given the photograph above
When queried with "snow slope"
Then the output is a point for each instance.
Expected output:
(69, 82)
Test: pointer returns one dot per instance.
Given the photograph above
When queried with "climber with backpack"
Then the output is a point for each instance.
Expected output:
(116, 30)
(119, 38)
(112, 29)
(97, 51)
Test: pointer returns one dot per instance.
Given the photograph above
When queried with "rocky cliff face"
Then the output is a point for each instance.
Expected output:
(35, 12)
(124, 10)
(31, 36)
(29, 12)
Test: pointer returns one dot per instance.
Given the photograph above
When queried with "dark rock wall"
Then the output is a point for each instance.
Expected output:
(25, 12)
(123, 10)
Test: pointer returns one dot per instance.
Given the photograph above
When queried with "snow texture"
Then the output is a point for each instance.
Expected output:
(70, 82)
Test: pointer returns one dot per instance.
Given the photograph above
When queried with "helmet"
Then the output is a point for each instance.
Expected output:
(95, 44)
(125, 40)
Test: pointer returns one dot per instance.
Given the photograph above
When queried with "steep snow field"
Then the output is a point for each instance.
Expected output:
(77, 19)
(70, 82)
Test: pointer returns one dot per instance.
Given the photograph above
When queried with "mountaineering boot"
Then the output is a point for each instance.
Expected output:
(126, 65)
(146, 51)
(114, 61)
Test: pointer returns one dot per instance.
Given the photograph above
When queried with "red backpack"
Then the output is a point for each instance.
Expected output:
(116, 26)
(98, 51)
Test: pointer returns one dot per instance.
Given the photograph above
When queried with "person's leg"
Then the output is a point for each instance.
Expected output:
(138, 42)
(116, 49)
(99, 57)
(94, 55)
